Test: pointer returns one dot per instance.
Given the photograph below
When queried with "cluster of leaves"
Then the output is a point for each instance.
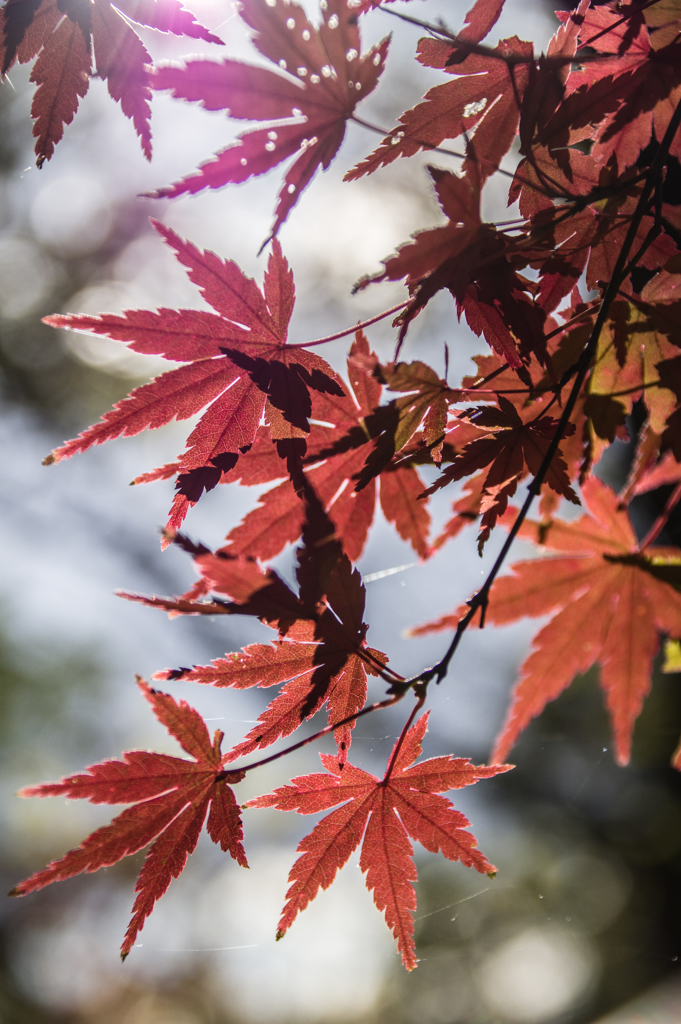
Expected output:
(579, 301)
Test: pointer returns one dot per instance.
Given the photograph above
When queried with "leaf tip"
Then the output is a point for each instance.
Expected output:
(16, 891)
(49, 459)
(168, 535)
(280, 934)
(147, 690)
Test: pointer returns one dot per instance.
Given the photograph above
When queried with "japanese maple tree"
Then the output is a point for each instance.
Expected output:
(578, 299)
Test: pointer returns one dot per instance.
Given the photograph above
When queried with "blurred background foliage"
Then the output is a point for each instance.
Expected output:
(586, 910)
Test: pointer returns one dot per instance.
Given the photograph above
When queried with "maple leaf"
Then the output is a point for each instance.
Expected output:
(425, 403)
(321, 654)
(608, 602)
(515, 446)
(281, 513)
(343, 459)
(547, 83)
(341, 436)
(470, 259)
(405, 803)
(653, 474)
(307, 107)
(565, 237)
(236, 362)
(637, 337)
(331, 642)
(631, 92)
(63, 34)
(483, 99)
(170, 796)
(527, 415)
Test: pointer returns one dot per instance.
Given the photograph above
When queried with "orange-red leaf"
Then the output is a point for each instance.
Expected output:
(515, 446)
(608, 603)
(321, 655)
(384, 813)
(472, 260)
(482, 98)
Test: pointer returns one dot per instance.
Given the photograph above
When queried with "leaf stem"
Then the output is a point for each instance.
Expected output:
(661, 521)
(403, 735)
(351, 330)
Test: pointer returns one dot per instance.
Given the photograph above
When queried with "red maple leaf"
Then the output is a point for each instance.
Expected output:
(528, 404)
(63, 35)
(385, 812)
(515, 446)
(484, 98)
(637, 337)
(236, 361)
(307, 107)
(565, 235)
(321, 654)
(170, 796)
(413, 424)
(339, 443)
(631, 92)
(609, 603)
(470, 259)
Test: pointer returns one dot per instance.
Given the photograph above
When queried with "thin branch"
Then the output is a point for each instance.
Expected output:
(490, 376)
(379, 667)
(584, 315)
(440, 29)
(322, 732)
(431, 149)
(481, 599)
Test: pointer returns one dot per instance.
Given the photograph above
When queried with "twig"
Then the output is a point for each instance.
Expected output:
(616, 24)
(394, 699)
(430, 147)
